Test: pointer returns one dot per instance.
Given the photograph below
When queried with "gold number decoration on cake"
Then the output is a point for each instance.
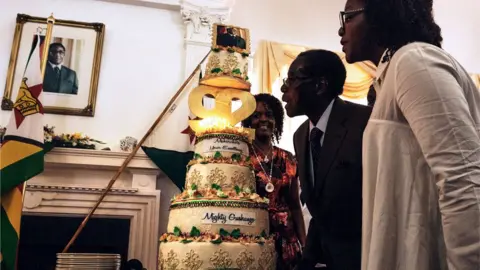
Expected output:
(221, 115)
(221, 259)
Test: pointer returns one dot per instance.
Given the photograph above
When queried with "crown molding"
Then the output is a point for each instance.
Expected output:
(156, 4)
(199, 17)
(176, 4)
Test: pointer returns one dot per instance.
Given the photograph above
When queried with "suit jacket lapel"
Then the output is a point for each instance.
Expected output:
(303, 160)
(332, 142)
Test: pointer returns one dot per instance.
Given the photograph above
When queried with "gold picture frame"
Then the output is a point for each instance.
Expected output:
(65, 95)
(230, 37)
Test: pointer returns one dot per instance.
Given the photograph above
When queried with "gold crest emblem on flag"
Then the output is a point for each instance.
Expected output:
(26, 104)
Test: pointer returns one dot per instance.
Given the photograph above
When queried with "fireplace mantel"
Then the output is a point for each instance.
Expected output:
(73, 180)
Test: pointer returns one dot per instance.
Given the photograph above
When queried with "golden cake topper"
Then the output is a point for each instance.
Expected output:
(221, 115)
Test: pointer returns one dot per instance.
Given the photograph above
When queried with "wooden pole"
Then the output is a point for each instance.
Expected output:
(132, 154)
(46, 44)
(43, 65)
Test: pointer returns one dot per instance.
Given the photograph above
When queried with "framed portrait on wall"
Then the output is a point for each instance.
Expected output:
(72, 70)
(231, 38)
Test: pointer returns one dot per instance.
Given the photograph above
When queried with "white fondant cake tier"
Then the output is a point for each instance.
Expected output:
(210, 216)
(204, 255)
(226, 144)
(227, 176)
(227, 69)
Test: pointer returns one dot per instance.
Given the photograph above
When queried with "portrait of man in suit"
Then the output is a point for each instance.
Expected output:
(328, 147)
(59, 78)
(239, 41)
(230, 37)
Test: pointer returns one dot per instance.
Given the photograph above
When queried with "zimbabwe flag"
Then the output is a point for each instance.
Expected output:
(21, 153)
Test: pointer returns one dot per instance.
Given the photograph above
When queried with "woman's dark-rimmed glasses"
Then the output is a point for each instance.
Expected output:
(346, 16)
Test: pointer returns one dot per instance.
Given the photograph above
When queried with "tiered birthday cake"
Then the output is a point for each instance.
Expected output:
(218, 221)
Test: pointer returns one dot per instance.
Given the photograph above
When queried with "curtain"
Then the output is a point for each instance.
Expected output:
(272, 57)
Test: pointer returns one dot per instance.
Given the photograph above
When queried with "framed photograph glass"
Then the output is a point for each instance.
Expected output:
(72, 70)
(231, 37)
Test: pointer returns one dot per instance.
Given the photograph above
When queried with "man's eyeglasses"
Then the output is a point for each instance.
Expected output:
(346, 16)
(287, 82)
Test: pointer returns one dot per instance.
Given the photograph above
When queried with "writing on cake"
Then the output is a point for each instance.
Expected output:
(226, 148)
(225, 145)
(229, 218)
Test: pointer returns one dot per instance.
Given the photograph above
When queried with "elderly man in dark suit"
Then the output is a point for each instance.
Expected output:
(59, 78)
(328, 148)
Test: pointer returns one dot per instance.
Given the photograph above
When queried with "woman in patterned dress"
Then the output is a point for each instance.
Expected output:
(275, 171)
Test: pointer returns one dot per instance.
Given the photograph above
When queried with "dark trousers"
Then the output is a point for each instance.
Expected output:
(341, 255)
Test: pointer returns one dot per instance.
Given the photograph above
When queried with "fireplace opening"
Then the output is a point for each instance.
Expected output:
(42, 237)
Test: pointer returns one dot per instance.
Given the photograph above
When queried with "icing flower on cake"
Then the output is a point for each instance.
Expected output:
(221, 194)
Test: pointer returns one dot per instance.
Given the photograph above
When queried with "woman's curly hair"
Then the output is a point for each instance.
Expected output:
(272, 103)
(396, 23)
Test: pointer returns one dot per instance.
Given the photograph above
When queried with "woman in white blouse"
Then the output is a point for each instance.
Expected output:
(421, 194)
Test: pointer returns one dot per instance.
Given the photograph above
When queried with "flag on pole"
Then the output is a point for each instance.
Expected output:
(21, 153)
(170, 146)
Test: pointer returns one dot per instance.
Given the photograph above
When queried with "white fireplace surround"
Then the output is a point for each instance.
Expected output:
(73, 180)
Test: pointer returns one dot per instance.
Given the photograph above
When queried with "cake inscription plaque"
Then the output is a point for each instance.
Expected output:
(222, 145)
(229, 218)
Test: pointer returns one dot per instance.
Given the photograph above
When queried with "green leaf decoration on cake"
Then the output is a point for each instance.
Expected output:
(244, 54)
(237, 71)
(194, 187)
(217, 155)
(223, 232)
(263, 234)
(203, 162)
(215, 186)
(194, 232)
(215, 49)
(177, 231)
(235, 233)
(247, 159)
(216, 70)
(186, 241)
(230, 50)
(237, 189)
(246, 78)
(236, 157)
(197, 156)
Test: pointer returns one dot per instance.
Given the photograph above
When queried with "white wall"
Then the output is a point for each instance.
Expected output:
(142, 64)
(315, 23)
